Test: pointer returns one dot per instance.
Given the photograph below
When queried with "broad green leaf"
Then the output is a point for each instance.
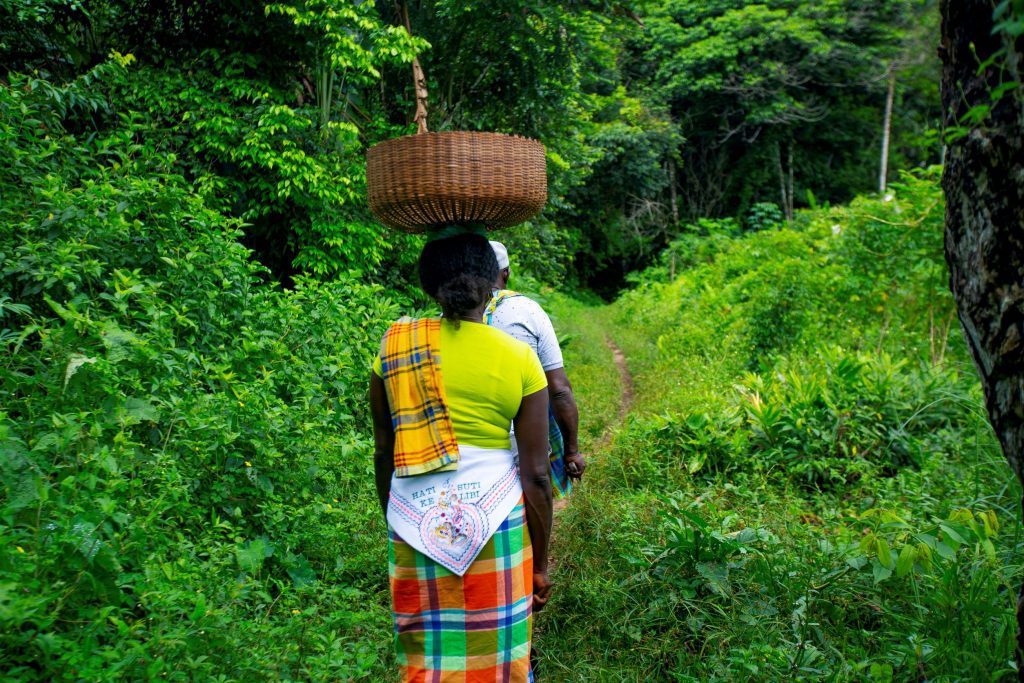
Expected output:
(881, 672)
(956, 535)
(1002, 89)
(868, 543)
(75, 362)
(716, 576)
(299, 570)
(119, 342)
(905, 562)
(924, 554)
(879, 571)
(200, 609)
(250, 556)
(991, 523)
(138, 410)
(990, 550)
(884, 554)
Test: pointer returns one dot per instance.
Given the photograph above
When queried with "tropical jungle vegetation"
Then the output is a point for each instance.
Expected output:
(792, 473)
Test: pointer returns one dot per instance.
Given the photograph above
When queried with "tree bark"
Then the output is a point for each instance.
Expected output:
(782, 181)
(790, 207)
(420, 80)
(672, 195)
(785, 179)
(983, 181)
(890, 95)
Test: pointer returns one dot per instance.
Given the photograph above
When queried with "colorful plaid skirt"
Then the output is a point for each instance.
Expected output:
(561, 484)
(468, 628)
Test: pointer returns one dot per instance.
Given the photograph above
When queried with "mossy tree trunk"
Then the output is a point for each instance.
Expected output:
(984, 186)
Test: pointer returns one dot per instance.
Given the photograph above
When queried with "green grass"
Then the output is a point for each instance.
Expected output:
(583, 332)
(790, 508)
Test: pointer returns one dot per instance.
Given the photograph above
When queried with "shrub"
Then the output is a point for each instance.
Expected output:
(178, 438)
(763, 216)
(833, 418)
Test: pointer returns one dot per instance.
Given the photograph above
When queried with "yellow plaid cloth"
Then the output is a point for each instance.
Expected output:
(410, 362)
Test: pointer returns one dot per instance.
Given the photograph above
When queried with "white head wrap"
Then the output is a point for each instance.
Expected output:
(500, 253)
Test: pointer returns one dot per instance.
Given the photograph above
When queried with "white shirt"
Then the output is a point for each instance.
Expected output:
(524, 319)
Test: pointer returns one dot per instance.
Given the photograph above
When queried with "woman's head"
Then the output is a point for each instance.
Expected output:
(458, 272)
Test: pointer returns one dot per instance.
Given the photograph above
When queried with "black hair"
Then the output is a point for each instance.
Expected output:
(459, 273)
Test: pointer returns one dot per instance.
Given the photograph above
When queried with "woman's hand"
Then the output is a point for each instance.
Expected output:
(574, 465)
(541, 590)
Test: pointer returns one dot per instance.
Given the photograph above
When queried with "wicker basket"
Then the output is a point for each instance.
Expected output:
(430, 179)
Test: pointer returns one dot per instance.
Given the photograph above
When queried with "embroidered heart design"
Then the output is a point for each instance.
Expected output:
(454, 534)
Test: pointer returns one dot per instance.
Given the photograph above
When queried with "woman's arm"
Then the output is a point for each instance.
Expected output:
(567, 416)
(531, 424)
(383, 440)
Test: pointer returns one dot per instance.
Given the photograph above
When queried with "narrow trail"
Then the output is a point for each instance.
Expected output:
(596, 450)
(625, 403)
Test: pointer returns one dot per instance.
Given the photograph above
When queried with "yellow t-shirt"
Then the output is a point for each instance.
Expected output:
(486, 374)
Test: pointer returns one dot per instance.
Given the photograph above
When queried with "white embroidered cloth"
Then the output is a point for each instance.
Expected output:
(450, 516)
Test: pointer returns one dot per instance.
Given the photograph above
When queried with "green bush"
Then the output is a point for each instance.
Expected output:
(183, 447)
(821, 422)
(809, 488)
(763, 216)
(835, 417)
(697, 557)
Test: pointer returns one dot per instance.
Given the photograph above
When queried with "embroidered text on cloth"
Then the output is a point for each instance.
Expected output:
(411, 370)
(450, 516)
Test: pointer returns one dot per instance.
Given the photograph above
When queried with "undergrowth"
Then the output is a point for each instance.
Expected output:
(183, 446)
(809, 488)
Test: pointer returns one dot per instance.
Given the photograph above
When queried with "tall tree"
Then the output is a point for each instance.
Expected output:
(984, 186)
(890, 95)
(775, 97)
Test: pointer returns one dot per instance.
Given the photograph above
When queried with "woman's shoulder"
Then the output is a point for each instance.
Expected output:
(490, 340)
(502, 340)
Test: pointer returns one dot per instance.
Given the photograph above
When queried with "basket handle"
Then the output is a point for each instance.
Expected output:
(419, 79)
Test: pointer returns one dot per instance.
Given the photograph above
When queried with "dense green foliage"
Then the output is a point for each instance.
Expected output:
(191, 289)
(176, 435)
(808, 488)
(267, 109)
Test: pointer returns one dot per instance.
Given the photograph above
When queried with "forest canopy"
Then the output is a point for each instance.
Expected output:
(654, 114)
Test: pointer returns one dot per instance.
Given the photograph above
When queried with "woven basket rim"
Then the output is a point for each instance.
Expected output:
(454, 133)
(514, 194)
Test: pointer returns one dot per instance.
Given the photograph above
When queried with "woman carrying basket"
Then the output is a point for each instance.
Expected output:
(469, 524)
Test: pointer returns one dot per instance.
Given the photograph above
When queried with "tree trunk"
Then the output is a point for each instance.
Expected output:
(672, 195)
(420, 81)
(984, 186)
(783, 195)
(790, 208)
(890, 95)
